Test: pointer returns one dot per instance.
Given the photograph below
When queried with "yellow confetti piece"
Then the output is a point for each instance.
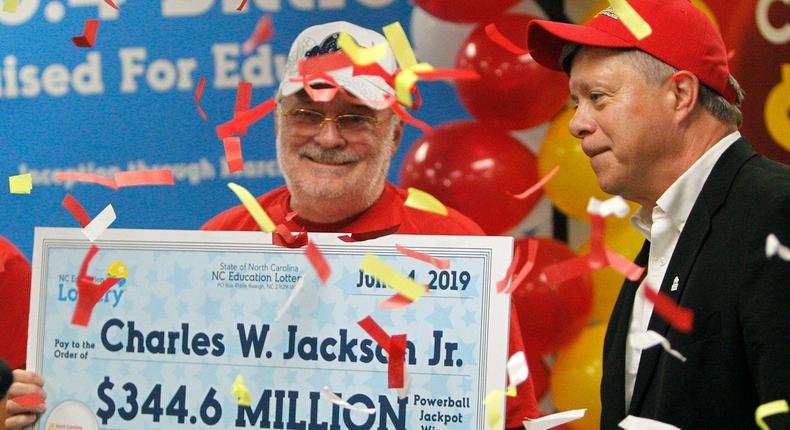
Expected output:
(240, 391)
(494, 403)
(10, 5)
(359, 55)
(253, 207)
(400, 45)
(380, 270)
(631, 19)
(20, 184)
(768, 409)
(405, 80)
(118, 269)
(423, 201)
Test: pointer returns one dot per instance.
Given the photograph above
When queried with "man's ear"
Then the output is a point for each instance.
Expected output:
(277, 111)
(684, 86)
(397, 134)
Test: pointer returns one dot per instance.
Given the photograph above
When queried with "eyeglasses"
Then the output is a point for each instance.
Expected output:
(308, 121)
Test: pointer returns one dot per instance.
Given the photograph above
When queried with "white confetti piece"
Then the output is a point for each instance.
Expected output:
(99, 223)
(636, 423)
(295, 292)
(616, 206)
(650, 339)
(517, 370)
(554, 420)
(329, 395)
(773, 247)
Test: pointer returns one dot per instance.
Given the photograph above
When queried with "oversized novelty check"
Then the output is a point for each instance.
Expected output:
(194, 310)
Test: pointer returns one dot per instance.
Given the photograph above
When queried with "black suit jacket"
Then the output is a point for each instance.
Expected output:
(739, 349)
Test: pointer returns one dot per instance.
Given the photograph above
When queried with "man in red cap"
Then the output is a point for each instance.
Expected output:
(659, 117)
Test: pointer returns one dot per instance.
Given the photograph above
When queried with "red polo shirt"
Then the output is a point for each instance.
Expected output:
(15, 293)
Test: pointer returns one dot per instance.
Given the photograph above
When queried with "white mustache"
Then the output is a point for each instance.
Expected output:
(328, 156)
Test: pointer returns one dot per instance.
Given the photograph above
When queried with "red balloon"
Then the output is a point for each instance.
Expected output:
(513, 92)
(539, 372)
(475, 169)
(550, 316)
(465, 10)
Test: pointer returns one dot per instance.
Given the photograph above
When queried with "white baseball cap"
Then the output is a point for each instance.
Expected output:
(322, 39)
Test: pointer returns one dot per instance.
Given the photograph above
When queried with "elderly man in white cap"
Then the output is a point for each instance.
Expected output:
(334, 154)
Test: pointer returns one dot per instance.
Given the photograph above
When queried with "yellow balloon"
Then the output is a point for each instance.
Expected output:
(622, 237)
(575, 380)
(698, 3)
(777, 105)
(603, 4)
(571, 188)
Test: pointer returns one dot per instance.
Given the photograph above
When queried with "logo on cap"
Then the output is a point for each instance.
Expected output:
(608, 12)
(328, 45)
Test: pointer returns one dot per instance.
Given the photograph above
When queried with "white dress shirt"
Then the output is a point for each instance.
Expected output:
(662, 226)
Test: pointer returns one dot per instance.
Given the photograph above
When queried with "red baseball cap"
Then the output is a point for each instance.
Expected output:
(682, 37)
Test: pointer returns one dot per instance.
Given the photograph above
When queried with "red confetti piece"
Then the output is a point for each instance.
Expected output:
(264, 30)
(396, 362)
(321, 94)
(408, 119)
(596, 259)
(233, 154)
(368, 235)
(538, 185)
(375, 331)
(318, 261)
(239, 124)
(324, 63)
(502, 284)
(134, 178)
(398, 301)
(243, 100)
(88, 37)
(597, 248)
(86, 177)
(112, 4)
(241, 5)
(567, 269)
(680, 318)
(622, 265)
(436, 262)
(89, 293)
(493, 33)
(243, 97)
(28, 401)
(198, 95)
(77, 211)
(417, 97)
(532, 254)
(282, 236)
(450, 74)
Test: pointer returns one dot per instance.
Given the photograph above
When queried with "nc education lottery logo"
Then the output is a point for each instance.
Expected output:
(67, 286)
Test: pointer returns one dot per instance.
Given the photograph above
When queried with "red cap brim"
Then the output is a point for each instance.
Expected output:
(545, 40)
